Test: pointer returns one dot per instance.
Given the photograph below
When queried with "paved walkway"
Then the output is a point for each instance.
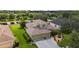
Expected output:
(49, 43)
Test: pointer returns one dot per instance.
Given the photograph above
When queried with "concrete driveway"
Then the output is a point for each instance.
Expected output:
(49, 43)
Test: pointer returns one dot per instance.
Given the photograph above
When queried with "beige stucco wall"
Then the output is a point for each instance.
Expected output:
(41, 37)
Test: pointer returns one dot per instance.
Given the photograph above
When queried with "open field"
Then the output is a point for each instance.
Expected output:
(19, 34)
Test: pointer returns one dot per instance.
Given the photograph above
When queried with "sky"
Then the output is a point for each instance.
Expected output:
(39, 5)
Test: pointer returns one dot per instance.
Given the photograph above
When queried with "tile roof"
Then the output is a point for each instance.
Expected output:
(59, 21)
(4, 38)
(5, 34)
(35, 23)
(32, 28)
(36, 31)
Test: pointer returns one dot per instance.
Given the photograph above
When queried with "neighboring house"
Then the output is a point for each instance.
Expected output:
(6, 37)
(55, 26)
(54, 23)
(39, 29)
(59, 21)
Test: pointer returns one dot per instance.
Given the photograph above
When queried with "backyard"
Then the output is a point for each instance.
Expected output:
(21, 36)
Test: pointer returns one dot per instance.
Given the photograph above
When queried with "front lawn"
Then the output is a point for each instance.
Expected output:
(19, 34)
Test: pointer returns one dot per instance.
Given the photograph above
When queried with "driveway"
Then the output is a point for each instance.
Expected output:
(49, 43)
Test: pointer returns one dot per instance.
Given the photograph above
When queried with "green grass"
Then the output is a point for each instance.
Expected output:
(18, 33)
(66, 41)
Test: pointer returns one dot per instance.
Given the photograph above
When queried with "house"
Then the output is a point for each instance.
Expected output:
(6, 37)
(55, 24)
(38, 30)
(60, 21)
(38, 34)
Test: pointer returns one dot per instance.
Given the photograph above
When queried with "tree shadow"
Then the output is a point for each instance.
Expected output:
(27, 39)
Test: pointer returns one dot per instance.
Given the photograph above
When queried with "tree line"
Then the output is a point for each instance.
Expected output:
(7, 15)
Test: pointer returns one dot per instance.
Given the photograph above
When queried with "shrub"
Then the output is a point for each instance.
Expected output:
(16, 44)
(55, 32)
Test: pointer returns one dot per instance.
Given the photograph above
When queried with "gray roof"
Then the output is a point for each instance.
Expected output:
(59, 21)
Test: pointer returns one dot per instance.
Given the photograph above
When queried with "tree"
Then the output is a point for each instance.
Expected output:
(30, 16)
(40, 16)
(74, 40)
(66, 28)
(55, 32)
(16, 44)
(11, 16)
(67, 15)
(24, 16)
(18, 17)
(3, 17)
(75, 26)
(22, 24)
(53, 15)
